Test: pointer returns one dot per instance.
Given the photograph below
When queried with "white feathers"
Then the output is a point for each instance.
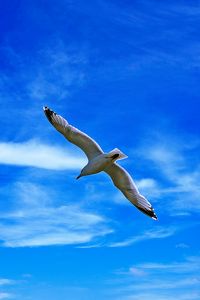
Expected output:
(73, 135)
(117, 151)
(99, 161)
(123, 181)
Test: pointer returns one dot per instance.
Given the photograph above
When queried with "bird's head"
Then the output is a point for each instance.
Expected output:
(83, 173)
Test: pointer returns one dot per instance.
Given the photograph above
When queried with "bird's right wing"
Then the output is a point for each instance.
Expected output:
(73, 135)
(123, 181)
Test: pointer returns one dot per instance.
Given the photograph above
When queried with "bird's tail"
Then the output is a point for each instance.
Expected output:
(116, 154)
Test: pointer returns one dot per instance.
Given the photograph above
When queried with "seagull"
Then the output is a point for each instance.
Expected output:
(99, 161)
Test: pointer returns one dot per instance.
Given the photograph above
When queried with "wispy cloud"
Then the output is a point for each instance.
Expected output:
(174, 161)
(136, 271)
(182, 246)
(50, 76)
(41, 223)
(157, 280)
(5, 295)
(186, 266)
(149, 187)
(161, 296)
(51, 73)
(33, 153)
(158, 233)
(6, 281)
(57, 73)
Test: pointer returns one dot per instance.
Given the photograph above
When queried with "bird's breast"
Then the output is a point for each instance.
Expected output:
(97, 164)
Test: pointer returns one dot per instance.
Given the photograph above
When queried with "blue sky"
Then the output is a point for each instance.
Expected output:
(126, 73)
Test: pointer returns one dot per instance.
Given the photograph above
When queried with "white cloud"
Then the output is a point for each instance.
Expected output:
(6, 281)
(160, 296)
(158, 233)
(174, 161)
(182, 245)
(51, 226)
(136, 271)
(167, 284)
(56, 73)
(39, 223)
(5, 295)
(36, 154)
(189, 265)
(146, 183)
(51, 74)
(160, 280)
(149, 187)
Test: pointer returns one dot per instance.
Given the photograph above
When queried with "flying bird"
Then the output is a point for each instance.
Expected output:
(99, 161)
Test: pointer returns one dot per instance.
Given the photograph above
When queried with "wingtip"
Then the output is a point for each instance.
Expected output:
(48, 112)
(155, 217)
(149, 213)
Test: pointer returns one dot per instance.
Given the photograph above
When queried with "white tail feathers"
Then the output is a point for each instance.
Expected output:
(115, 151)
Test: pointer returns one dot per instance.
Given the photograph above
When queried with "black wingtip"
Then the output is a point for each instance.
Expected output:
(149, 213)
(48, 112)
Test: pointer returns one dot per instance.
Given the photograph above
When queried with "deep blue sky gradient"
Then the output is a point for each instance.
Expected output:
(126, 73)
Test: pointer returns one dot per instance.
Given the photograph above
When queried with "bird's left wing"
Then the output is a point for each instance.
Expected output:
(73, 135)
(123, 181)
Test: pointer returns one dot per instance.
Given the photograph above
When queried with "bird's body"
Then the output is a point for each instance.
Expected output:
(99, 161)
(96, 165)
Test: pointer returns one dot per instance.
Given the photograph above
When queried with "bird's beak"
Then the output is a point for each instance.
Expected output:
(78, 176)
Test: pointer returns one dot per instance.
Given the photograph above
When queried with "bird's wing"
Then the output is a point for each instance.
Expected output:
(73, 135)
(123, 181)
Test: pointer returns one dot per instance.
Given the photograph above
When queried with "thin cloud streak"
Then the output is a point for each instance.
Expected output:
(189, 265)
(161, 296)
(159, 233)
